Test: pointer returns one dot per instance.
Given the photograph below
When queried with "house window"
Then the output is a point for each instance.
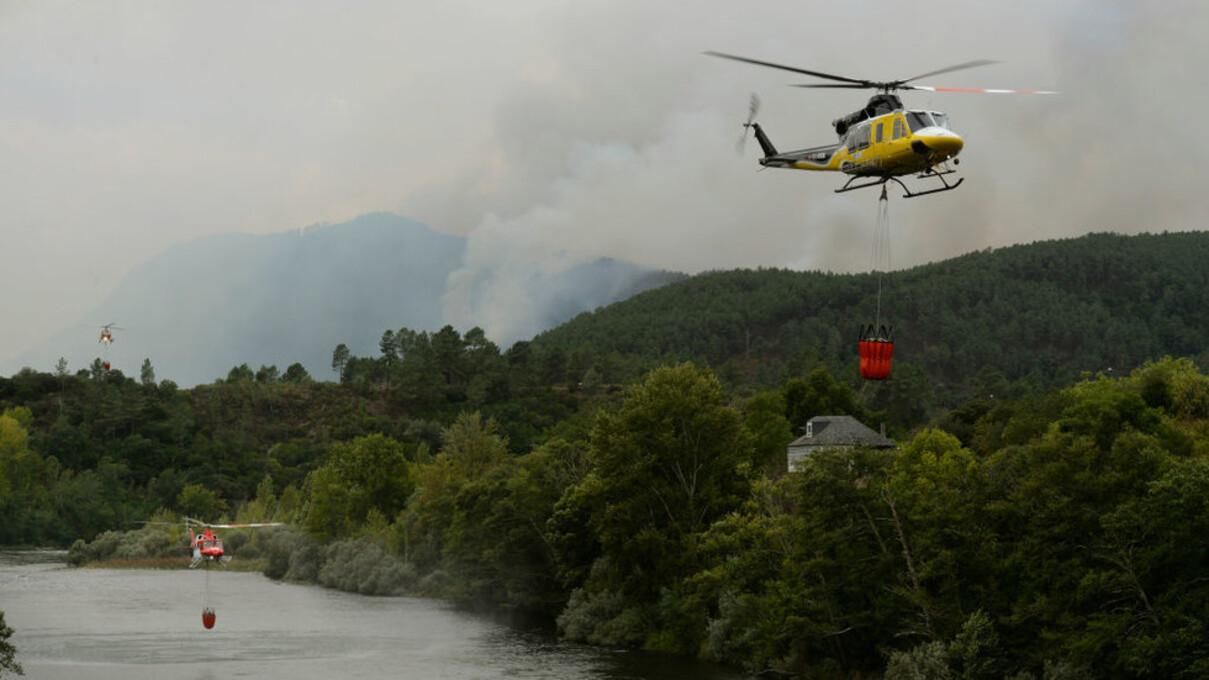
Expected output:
(809, 429)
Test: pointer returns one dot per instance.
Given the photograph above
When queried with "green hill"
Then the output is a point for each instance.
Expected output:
(1059, 532)
(1044, 312)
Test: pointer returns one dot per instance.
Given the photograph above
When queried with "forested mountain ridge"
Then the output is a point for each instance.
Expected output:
(1044, 311)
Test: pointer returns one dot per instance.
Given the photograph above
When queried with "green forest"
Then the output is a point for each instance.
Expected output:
(1043, 313)
(623, 476)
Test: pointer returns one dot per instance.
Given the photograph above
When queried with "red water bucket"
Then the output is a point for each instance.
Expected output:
(877, 356)
(208, 618)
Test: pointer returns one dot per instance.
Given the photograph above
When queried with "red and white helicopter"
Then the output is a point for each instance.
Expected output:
(106, 339)
(207, 546)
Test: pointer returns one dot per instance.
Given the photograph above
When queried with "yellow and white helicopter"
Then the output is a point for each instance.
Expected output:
(884, 140)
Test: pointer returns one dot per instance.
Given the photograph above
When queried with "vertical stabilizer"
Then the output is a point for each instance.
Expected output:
(765, 143)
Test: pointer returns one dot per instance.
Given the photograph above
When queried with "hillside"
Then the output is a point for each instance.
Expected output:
(524, 479)
(206, 305)
(1043, 312)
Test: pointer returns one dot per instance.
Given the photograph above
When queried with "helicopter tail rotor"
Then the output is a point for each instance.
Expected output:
(752, 109)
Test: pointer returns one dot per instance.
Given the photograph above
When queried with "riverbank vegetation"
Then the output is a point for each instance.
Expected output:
(1057, 535)
(8, 653)
(1032, 523)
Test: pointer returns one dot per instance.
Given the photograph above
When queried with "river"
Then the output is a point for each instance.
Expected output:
(104, 624)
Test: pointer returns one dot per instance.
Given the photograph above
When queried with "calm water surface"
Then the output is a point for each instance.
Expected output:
(104, 624)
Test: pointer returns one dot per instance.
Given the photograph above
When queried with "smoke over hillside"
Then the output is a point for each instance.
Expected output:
(631, 156)
(551, 134)
(205, 306)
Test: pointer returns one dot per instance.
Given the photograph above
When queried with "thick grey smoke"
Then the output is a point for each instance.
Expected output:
(552, 133)
(129, 127)
(626, 151)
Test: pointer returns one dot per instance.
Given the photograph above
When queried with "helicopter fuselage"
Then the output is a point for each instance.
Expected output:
(898, 142)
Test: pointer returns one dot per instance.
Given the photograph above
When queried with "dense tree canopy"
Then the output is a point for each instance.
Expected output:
(1043, 312)
(1042, 516)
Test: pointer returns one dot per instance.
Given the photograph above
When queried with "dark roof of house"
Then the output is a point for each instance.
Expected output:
(840, 431)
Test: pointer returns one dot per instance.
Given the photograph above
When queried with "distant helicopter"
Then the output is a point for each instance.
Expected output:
(882, 141)
(207, 546)
(106, 339)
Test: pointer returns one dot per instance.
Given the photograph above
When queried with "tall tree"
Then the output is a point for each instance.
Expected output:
(147, 373)
(198, 501)
(405, 341)
(296, 373)
(448, 350)
(240, 373)
(819, 394)
(389, 346)
(339, 359)
(267, 374)
(364, 476)
(672, 460)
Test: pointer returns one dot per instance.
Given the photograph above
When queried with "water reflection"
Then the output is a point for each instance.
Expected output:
(100, 624)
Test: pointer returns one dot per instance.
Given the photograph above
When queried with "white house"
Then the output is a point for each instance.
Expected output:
(834, 432)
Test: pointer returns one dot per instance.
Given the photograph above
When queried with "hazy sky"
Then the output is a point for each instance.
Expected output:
(554, 131)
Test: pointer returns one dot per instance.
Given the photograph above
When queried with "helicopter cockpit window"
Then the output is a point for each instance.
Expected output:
(918, 120)
(859, 138)
(942, 119)
(898, 129)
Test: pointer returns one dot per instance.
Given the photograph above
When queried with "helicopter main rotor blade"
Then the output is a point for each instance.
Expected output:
(842, 86)
(950, 69)
(793, 69)
(253, 525)
(977, 90)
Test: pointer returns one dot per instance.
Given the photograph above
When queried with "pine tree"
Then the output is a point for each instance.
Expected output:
(147, 373)
(339, 359)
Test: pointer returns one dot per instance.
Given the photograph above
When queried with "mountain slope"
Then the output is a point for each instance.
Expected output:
(1045, 311)
(207, 305)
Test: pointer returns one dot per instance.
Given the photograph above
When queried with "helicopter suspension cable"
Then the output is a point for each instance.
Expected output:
(881, 249)
(876, 345)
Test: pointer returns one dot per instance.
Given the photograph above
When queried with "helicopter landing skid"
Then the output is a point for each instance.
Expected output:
(909, 194)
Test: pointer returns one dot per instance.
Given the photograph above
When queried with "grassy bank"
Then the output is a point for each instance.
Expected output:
(169, 563)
